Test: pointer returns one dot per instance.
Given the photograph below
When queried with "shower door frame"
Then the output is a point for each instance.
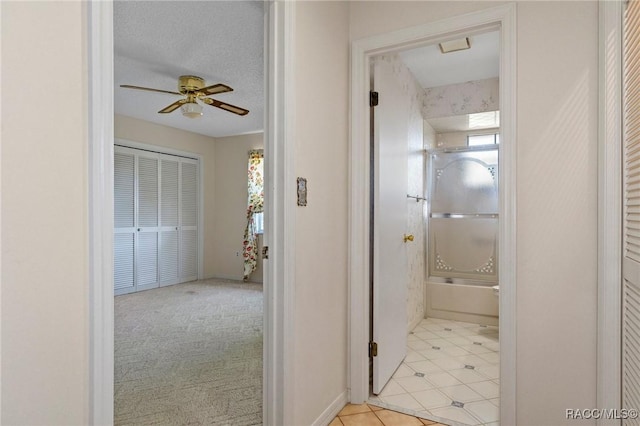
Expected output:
(429, 185)
(502, 18)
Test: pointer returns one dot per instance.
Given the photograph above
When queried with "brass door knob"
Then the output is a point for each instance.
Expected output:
(408, 237)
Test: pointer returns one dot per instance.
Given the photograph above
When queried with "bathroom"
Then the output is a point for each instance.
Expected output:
(450, 371)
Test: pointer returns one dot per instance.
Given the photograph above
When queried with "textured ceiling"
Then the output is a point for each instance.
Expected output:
(432, 68)
(220, 41)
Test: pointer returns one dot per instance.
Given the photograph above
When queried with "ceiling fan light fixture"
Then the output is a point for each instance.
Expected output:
(191, 110)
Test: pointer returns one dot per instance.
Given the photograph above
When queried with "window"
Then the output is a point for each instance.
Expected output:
(490, 139)
(258, 219)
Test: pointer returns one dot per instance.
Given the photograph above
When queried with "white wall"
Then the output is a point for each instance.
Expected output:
(45, 358)
(44, 204)
(557, 192)
(321, 147)
(137, 130)
(231, 205)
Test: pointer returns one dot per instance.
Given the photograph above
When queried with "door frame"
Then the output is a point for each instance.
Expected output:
(279, 224)
(609, 341)
(504, 18)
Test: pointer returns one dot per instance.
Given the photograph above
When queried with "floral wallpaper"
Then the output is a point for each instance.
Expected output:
(415, 186)
(463, 98)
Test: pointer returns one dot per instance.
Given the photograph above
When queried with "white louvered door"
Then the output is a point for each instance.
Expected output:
(189, 220)
(155, 219)
(169, 219)
(631, 211)
(124, 222)
(147, 230)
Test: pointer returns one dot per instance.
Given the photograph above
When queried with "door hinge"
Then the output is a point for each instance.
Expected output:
(265, 252)
(373, 349)
(373, 99)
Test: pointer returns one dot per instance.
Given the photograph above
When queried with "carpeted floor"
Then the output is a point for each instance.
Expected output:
(189, 354)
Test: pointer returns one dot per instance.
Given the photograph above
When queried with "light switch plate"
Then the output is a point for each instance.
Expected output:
(302, 191)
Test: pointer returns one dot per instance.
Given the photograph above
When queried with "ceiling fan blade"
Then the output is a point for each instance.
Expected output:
(227, 107)
(174, 106)
(216, 88)
(128, 86)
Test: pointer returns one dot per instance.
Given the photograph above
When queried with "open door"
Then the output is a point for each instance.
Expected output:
(390, 133)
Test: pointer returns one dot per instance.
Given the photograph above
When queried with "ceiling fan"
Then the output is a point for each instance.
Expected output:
(193, 89)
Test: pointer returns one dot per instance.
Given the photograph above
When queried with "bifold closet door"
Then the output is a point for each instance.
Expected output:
(189, 220)
(169, 219)
(147, 229)
(155, 219)
(124, 222)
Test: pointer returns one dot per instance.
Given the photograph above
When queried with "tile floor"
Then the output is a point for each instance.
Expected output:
(450, 374)
(370, 415)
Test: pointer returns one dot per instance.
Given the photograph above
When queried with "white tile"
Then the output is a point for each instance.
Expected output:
(462, 393)
(448, 363)
(467, 376)
(483, 339)
(470, 359)
(476, 349)
(445, 334)
(426, 335)
(495, 401)
(418, 345)
(413, 356)
(454, 351)
(414, 383)
(442, 379)
(424, 367)
(465, 332)
(432, 354)
(483, 410)
(392, 388)
(432, 327)
(494, 346)
(412, 338)
(403, 371)
(456, 325)
(461, 341)
(492, 424)
(432, 399)
(404, 401)
(442, 343)
(487, 389)
(491, 357)
(455, 414)
(489, 371)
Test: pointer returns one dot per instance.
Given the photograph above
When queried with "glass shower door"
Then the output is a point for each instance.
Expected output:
(463, 215)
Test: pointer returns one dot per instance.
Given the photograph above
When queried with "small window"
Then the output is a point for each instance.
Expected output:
(490, 139)
(259, 222)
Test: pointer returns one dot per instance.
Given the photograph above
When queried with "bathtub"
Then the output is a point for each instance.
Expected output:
(462, 302)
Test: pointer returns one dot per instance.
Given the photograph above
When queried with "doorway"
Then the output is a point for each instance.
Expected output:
(100, 153)
(498, 19)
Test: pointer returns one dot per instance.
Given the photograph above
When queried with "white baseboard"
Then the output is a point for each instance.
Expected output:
(332, 410)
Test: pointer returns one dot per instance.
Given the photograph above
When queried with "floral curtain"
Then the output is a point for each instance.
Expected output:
(255, 204)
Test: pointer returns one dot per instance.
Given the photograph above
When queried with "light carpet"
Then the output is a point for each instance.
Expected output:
(189, 354)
